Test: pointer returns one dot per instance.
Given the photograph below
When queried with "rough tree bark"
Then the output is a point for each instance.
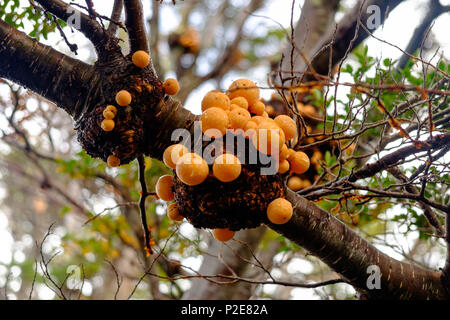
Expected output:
(350, 255)
(26, 62)
(315, 19)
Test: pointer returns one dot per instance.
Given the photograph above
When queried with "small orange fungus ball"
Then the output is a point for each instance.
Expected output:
(164, 188)
(113, 161)
(272, 125)
(299, 162)
(216, 99)
(283, 167)
(173, 213)
(284, 152)
(250, 129)
(295, 183)
(250, 125)
(232, 107)
(172, 154)
(258, 119)
(244, 88)
(171, 86)
(241, 102)
(140, 59)
(306, 184)
(223, 235)
(270, 110)
(279, 211)
(307, 110)
(239, 118)
(214, 118)
(192, 169)
(291, 153)
(111, 108)
(107, 125)
(288, 125)
(316, 157)
(190, 40)
(123, 98)
(226, 167)
(257, 108)
(268, 139)
(108, 114)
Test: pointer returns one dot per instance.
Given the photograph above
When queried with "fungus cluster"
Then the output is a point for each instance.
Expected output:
(239, 111)
(224, 193)
(123, 99)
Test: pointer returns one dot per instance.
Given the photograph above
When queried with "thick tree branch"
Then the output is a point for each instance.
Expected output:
(134, 21)
(350, 255)
(35, 66)
(315, 19)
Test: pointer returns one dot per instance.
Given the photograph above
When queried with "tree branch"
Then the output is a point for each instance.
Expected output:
(315, 19)
(437, 142)
(35, 66)
(88, 25)
(430, 215)
(435, 9)
(142, 209)
(115, 16)
(350, 255)
(155, 38)
(134, 22)
(335, 44)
